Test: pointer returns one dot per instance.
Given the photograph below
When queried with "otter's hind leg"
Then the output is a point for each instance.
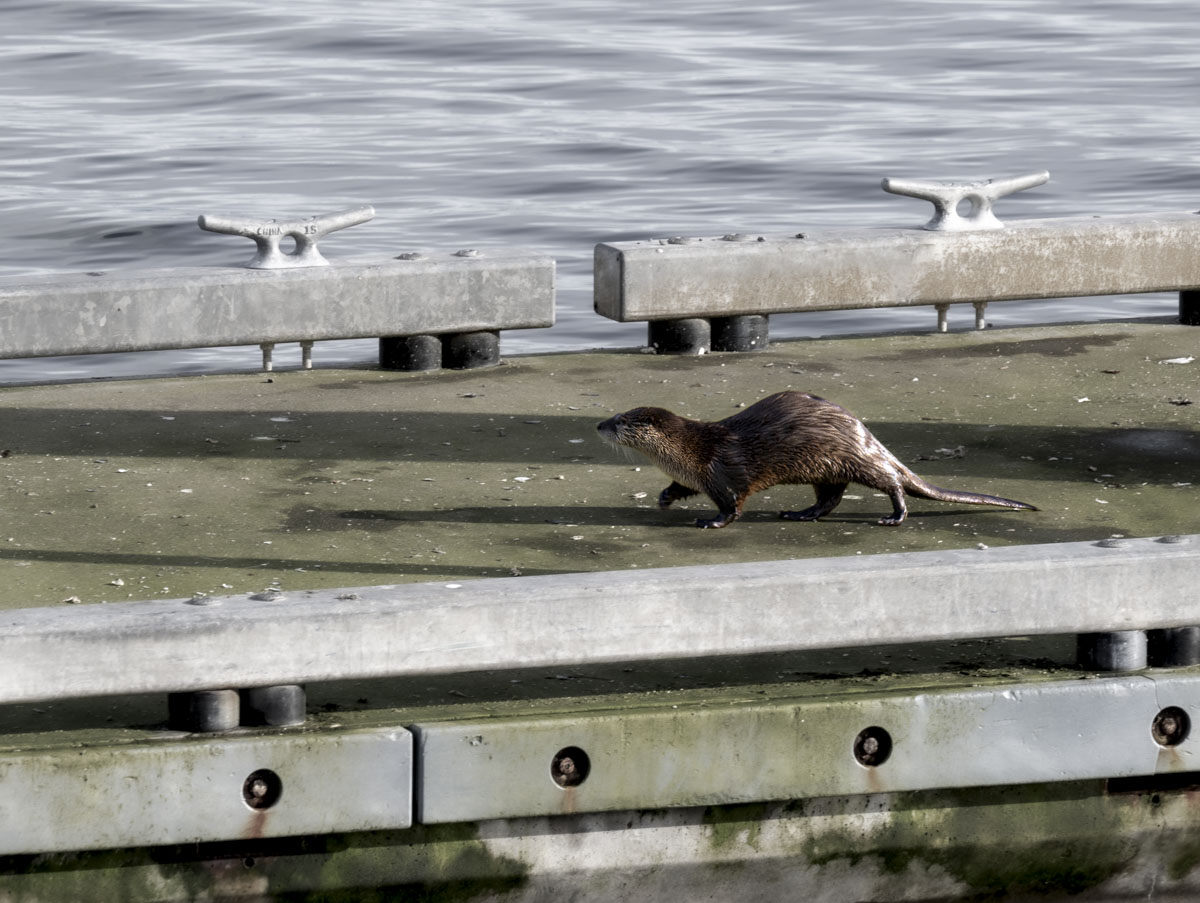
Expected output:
(899, 508)
(828, 497)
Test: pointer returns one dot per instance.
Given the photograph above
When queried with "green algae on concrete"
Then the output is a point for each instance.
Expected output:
(1005, 841)
(1016, 843)
(447, 862)
(163, 488)
(736, 826)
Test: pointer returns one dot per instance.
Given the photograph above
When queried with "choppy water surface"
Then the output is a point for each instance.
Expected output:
(554, 125)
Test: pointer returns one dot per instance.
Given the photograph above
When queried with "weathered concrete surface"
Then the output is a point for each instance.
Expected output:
(194, 307)
(270, 639)
(835, 269)
(518, 692)
(711, 752)
(381, 478)
(482, 760)
(1082, 839)
(1069, 841)
(229, 484)
(180, 789)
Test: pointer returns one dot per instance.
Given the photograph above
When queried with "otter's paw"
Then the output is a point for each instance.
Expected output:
(665, 498)
(806, 514)
(714, 524)
(891, 520)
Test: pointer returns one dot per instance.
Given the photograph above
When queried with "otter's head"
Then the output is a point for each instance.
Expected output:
(647, 430)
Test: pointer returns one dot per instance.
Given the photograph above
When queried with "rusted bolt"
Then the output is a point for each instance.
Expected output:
(262, 789)
(872, 747)
(570, 767)
(1171, 726)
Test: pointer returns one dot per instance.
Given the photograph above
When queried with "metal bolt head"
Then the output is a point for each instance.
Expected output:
(262, 789)
(872, 747)
(570, 767)
(1171, 726)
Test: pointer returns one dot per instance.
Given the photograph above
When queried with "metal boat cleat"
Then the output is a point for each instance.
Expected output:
(306, 232)
(946, 196)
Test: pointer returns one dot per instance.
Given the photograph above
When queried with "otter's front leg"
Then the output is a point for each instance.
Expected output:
(674, 493)
(728, 510)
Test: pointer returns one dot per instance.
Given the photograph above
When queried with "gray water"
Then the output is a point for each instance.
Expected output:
(552, 125)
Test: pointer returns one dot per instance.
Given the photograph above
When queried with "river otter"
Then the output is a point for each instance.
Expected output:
(789, 437)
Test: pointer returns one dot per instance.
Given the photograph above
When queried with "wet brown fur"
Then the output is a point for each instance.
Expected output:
(789, 437)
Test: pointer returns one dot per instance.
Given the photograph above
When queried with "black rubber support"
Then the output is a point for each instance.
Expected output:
(1123, 650)
(1173, 647)
(691, 336)
(745, 333)
(204, 711)
(410, 352)
(467, 350)
(1189, 307)
(275, 706)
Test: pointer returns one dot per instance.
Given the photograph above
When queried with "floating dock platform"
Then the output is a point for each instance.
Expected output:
(699, 777)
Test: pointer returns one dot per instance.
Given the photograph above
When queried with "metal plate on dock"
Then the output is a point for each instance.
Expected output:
(205, 788)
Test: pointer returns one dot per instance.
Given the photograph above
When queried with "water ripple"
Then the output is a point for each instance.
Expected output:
(558, 125)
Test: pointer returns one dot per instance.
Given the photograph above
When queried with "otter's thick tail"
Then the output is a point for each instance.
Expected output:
(917, 487)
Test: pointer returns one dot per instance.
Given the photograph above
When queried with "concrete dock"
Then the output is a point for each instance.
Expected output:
(222, 485)
(164, 488)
